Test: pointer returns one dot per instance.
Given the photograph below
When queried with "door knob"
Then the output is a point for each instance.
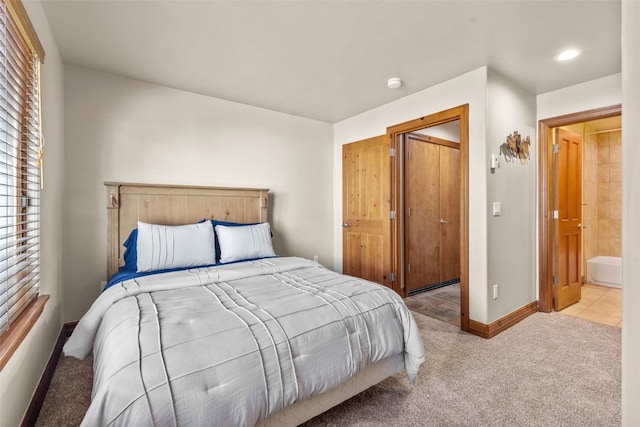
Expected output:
(442, 221)
(345, 225)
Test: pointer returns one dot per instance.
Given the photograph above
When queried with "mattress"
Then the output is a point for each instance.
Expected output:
(232, 345)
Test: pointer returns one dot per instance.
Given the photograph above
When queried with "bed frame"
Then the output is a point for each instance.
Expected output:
(177, 204)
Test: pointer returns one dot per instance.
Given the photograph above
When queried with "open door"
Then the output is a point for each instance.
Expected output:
(366, 221)
(567, 173)
(547, 204)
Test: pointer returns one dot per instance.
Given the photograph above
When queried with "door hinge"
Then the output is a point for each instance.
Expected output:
(554, 280)
(392, 214)
(392, 152)
(393, 277)
(555, 148)
(555, 214)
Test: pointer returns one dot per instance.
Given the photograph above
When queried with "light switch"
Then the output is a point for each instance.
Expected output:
(497, 209)
(495, 161)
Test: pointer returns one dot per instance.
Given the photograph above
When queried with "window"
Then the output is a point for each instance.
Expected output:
(20, 162)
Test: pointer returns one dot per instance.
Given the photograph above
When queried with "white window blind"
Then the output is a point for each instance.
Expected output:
(19, 169)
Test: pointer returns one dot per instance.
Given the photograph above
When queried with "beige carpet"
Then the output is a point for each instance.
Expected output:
(548, 370)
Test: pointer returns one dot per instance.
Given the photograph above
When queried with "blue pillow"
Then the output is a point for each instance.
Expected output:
(131, 252)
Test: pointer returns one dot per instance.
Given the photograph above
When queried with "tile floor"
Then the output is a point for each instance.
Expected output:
(600, 304)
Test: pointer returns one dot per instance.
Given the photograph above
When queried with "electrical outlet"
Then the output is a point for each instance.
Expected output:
(495, 291)
(315, 258)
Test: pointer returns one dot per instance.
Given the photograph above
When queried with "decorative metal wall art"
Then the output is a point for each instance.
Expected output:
(516, 147)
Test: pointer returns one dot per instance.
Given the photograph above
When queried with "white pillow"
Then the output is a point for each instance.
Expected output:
(238, 243)
(162, 247)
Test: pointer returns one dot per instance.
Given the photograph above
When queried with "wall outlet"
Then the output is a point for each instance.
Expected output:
(315, 258)
(495, 291)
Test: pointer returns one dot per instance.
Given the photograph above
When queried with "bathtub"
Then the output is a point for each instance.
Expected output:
(605, 270)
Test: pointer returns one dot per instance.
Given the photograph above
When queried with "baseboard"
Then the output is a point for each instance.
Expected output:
(37, 400)
(505, 322)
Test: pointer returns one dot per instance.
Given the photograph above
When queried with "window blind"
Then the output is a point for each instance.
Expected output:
(20, 145)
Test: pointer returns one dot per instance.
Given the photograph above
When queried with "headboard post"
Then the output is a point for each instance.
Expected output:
(264, 205)
(113, 228)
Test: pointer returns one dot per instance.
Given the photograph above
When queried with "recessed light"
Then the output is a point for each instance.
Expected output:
(568, 54)
(394, 83)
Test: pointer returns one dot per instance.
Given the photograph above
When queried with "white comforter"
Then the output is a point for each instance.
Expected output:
(230, 345)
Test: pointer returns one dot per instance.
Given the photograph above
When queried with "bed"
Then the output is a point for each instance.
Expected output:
(242, 336)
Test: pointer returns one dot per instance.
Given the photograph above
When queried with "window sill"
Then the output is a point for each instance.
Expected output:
(11, 339)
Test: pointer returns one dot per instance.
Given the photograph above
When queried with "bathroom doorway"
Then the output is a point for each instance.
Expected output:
(601, 226)
(598, 225)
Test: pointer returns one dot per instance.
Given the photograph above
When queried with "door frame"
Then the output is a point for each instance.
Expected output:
(456, 113)
(545, 230)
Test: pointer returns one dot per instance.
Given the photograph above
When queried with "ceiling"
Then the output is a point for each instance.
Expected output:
(330, 60)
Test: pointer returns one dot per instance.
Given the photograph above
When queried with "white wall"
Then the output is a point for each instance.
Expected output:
(593, 94)
(630, 213)
(511, 237)
(19, 378)
(469, 89)
(124, 130)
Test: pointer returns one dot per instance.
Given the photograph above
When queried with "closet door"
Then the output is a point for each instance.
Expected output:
(432, 212)
(449, 213)
(421, 214)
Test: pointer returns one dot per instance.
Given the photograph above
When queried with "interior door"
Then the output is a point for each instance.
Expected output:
(449, 213)
(421, 213)
(366, 192)
(432, 211)
(568, 175)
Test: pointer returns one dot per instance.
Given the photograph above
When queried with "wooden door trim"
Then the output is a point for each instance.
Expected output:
(545, 237)
(434, 140)
(456, 113)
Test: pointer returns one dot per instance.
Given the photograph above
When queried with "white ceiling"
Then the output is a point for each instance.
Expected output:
(329, 60)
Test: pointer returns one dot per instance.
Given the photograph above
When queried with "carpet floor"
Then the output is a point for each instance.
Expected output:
(548, 370)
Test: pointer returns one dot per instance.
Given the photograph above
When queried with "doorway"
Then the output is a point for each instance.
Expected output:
(430, 244)
(552, 252)
(373, 202)
(431, 211)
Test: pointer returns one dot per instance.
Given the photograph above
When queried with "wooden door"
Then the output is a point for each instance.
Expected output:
(432, 211)
(366, 192)
(421, 213)
(568, 174)
(449, 213)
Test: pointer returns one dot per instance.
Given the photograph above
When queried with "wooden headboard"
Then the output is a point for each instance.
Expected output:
(174, 205)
